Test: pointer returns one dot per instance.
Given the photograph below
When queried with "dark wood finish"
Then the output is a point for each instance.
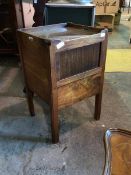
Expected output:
(54, 96)
(118, 152)
(39, 19)
(78, 89)
(78, 59)
(11, 18)
(63, 64)
(98, 97)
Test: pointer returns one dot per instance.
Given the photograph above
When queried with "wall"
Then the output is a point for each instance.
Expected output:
(127, 2)
(28, 11)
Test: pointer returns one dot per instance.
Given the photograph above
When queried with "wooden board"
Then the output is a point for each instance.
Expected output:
(77, 60)
(36, 63)
(118, 152)
(78, 89)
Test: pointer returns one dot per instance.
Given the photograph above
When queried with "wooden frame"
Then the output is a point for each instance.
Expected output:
(44, 61)
(109, 158)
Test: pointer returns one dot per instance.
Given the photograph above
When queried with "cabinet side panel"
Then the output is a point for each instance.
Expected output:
(36, 63)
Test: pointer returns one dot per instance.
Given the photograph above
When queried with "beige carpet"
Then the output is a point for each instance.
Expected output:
(118, 60)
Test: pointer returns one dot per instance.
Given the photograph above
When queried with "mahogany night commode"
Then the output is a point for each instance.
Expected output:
(63, 64)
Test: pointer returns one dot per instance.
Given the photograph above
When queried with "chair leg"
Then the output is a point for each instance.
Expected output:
(54, 122)
(98, 100)
(30, 95)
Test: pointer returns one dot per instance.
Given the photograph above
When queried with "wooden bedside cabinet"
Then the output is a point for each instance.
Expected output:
(63, 64)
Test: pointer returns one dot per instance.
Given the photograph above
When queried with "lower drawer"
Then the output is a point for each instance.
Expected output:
(77, 90)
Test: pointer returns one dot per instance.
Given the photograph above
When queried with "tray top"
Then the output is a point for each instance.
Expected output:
(118, 152)
(62, 31)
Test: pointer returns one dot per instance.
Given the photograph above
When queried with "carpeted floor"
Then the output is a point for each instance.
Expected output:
(25, 147)
(118, 60)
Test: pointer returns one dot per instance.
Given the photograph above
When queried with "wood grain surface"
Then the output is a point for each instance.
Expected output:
(118, 152)
(77, 90)
(77, 60)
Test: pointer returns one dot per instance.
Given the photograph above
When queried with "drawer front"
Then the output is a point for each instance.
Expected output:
(78, 90)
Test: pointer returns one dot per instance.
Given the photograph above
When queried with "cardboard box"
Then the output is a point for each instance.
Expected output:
(106, 6)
